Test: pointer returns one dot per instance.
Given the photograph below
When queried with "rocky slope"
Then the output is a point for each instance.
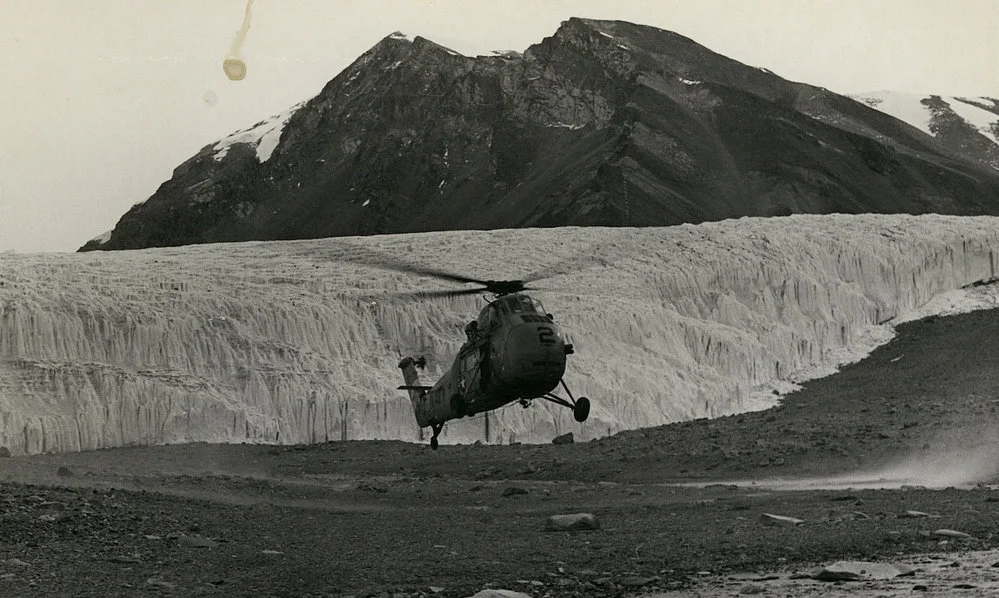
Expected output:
(603, 123)
(287, 342)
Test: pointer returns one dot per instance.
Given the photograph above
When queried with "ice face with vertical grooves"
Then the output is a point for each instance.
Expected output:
(287, 342)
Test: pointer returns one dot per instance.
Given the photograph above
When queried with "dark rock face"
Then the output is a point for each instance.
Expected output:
(604, 123)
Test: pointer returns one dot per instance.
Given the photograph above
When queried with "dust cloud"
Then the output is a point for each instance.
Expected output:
(233, 64)
(959, 457)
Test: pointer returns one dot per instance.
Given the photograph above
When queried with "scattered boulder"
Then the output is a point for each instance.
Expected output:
(572, 522)
(563, 439)
(779, 520)
(4, 451)
(64, 472)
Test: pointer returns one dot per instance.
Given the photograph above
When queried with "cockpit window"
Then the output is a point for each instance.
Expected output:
(519, 304)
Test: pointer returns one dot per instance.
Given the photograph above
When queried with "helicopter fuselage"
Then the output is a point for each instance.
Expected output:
(514, 351)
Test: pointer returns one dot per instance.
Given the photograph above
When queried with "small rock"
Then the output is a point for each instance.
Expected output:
(827, 574)
(64, 472)
(436, 589)
(491, 593)
(160, 583)
(920, 588)
(635, 581)
(949, 533)
(778, 520)
(572, 522)
(837, 515)
(17, 563)
(268, 551)
(197, 542)
(563, 439)
(965, 586)
(913, 515)
(858, 570)
(4, 451)
(513, 491)
(372, 487)
(751, 588)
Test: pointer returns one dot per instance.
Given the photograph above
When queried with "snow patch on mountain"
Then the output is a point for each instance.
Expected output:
(907, 107)
(986, 122)
(288, 342)
(103, 237)
(910, 108)
(264, 136)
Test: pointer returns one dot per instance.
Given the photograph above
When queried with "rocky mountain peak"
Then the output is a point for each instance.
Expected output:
(602, 123)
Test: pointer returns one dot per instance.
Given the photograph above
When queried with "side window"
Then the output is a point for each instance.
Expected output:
(487, 317)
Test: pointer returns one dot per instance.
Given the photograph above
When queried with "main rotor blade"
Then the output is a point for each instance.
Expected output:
(376, 259)
(581, 261)
(439, 294)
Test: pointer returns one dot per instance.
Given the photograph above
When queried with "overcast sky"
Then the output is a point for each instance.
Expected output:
(101, 99)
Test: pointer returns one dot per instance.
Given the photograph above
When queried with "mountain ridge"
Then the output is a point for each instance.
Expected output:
(602, 123)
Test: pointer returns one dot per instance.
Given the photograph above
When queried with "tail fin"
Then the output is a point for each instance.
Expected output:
(408, 366)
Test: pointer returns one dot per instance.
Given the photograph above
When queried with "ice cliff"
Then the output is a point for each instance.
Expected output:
(286, 342)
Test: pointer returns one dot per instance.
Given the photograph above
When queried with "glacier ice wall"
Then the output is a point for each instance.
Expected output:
(286, 342)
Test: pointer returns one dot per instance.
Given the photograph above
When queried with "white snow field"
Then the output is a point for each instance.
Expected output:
(284, 342)
(909, 108)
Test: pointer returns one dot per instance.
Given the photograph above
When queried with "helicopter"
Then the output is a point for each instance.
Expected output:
(513, 352)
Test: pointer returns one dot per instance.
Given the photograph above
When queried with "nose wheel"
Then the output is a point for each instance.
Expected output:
(580, 407)
(581, 410)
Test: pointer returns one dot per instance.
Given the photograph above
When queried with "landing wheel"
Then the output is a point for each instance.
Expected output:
(581, 410)
(433, 443)
(459, 406)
